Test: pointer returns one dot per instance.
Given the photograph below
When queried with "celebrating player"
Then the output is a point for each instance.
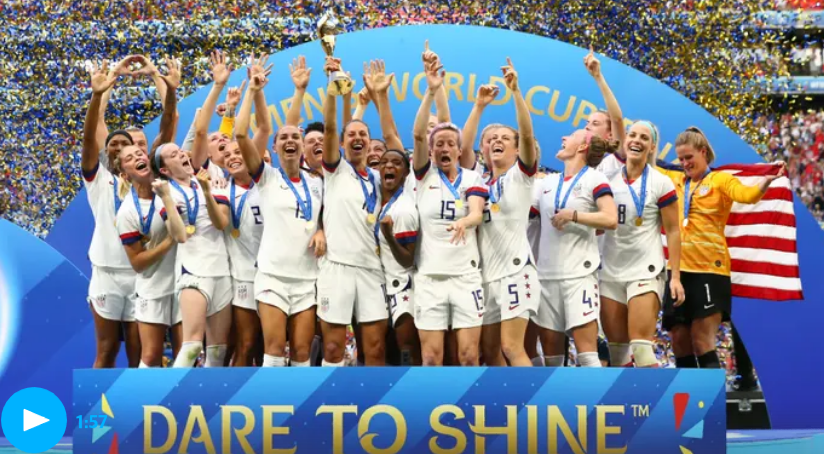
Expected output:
(151, 250)
(350, 281)
(633, 273)
(571, 206)
(607, 125)
(705, 199)
(450, 205)
(510, 280)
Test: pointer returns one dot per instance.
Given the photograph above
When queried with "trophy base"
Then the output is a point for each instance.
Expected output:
(340, 84)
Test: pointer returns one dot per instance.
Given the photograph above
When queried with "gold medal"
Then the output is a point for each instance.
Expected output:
(370, 218)
(310, 225)
(639, 222)
(459, 204)
(686, 222)
(378, 251)
(494, 208)
(235, 233)
(190, 229)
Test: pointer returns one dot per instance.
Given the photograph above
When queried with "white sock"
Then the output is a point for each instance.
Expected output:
(644, 353)
(215, 355)
(188, 354)
(589, 359)
(619, 355)
(554, 361)
(299, 363)
(325, 363)
(273, 361)
(538, 361)
(143, 365)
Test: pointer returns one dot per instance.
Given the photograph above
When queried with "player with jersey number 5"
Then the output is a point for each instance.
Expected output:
(450, 201)
(510, 279)
(350, 279)
(292, 240)
(571, 206)
(705, 199)
(633, 271)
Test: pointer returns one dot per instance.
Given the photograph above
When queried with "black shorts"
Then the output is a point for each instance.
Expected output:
(706, 294)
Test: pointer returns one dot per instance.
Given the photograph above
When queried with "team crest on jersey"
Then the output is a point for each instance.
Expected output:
(315, 191)
(576, 191)
(703, 190)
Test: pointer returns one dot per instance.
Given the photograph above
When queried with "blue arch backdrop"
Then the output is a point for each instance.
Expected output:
(560, 93)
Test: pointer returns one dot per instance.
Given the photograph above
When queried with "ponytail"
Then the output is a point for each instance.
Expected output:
(697, 139)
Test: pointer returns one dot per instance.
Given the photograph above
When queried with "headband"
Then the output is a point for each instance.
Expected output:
(157, 156)
(443, 126)
(402, 154)
(119, 132)
(651, 129)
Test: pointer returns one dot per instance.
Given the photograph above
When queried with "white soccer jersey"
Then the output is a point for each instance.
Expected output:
(204, 253)
(243, 250)
(157, 280)
(405, 227)
(611, 165)
(503, 234)
(634, 252)
(573, 251)
(215, 171)
(284, 247)
(533, 229)
(437, 210)
(105, 249)
(350, 239)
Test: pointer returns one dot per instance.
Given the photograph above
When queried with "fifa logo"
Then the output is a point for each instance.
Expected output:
(680, 403)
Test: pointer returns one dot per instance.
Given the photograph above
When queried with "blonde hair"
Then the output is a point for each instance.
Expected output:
(652, 156)
(697, 139)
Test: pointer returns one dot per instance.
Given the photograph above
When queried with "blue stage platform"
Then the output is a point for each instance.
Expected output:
(738, 442)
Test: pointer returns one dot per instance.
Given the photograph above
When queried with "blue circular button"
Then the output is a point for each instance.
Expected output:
(33, 420)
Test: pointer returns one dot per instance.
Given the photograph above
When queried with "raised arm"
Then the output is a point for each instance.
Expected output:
(363, 103)
(121, 69)
(613, 109)
(220, 75)
(167, 120)
(434, 80)
(526, 140)
(251, 155)
(262, 118)
(486, 94)
(300, 77)
(149, 69)
(441, 98)
(347, 108)
(331, 142)
(377, 83)
(101, 81)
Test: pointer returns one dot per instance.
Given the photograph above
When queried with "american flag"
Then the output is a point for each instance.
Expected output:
(761, 237)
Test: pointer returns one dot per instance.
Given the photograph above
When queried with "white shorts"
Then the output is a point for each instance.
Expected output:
(401, 303)
(292, 296)
(111, 293)
(568, 303)
(622, 292)
(160, 311)
(216, 290)
(517, 295)
(244, 295)
(345, 290)
(442, 302)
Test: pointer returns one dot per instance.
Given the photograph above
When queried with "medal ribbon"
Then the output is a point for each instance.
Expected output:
(688, 195)
(305, 205)
(558, 204)
(145, 227)
(453, 188)
(236, 212)
(191, 209)
(493, 197)
(117, 200)
(639, 201)
(371, 199)
(383, 213)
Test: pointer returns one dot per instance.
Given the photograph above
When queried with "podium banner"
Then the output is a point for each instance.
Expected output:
(399, 410)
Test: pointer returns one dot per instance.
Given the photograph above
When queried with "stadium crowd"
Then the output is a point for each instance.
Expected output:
(34, 190)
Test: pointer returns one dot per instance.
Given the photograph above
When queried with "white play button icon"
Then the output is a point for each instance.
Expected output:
(32, 420)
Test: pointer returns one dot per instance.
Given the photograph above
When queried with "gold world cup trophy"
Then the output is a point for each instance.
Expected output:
(339, 83)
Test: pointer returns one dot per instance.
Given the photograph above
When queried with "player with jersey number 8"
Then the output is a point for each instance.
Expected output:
(633, 272)
(450, 206)
(571, 206)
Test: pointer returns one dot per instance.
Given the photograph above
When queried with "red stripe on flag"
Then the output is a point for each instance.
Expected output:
(771, 269)
(765, 293)
(766, 217)
(778, 194)
(751, 170)
(763, 242)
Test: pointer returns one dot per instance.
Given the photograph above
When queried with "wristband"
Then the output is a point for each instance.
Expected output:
(575, 216)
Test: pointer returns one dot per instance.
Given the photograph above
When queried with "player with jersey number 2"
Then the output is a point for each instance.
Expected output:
(633, 273)
(450, 200)
(510, 279)
(571, 206)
